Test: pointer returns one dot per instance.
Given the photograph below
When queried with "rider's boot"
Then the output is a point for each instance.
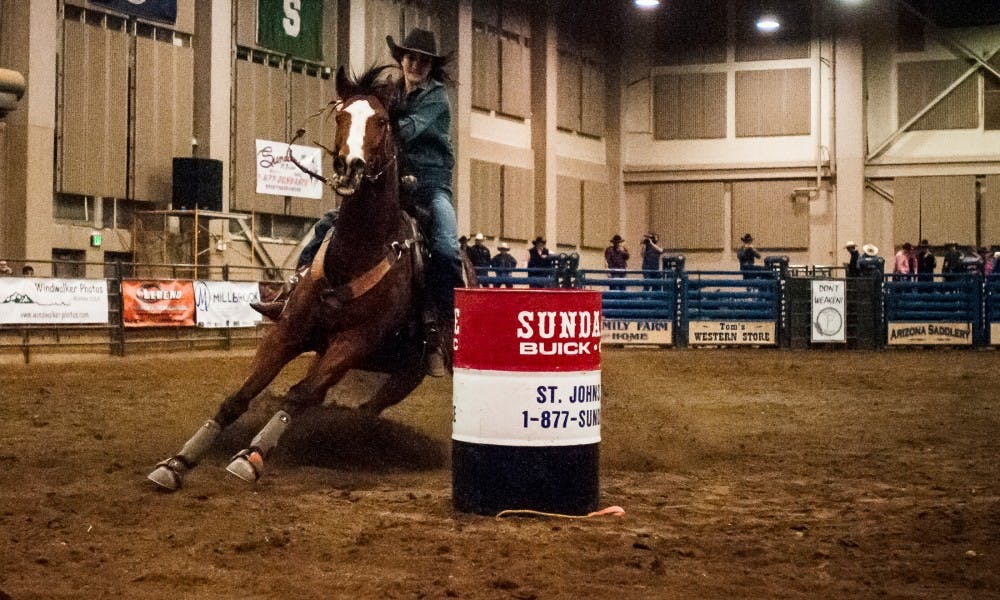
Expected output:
(272, 309)
(434, 363)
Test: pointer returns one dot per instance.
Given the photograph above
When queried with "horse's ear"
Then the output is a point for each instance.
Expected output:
(345, 86)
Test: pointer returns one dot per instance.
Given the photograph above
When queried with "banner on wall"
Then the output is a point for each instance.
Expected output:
(226, 303)
(279, 176)
(156, 10)
(44, 301)
(291, 27)
(157, 303)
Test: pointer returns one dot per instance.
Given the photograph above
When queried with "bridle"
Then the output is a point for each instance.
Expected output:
(369, 174)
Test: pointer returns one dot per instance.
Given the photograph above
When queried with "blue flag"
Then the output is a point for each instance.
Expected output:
(156, 10)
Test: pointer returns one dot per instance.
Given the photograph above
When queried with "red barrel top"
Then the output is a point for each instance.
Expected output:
(527, 330)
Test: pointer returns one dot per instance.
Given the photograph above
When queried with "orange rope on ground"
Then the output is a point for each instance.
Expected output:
(523, 512)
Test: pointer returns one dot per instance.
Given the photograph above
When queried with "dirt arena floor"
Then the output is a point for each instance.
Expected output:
(743, 474)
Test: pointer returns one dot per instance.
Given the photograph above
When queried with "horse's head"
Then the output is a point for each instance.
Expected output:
(364, 146)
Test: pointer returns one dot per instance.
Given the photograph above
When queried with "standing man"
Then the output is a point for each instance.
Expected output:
(616, 257)
(479, 254)
(503, 263)
(952, 259)
(747, 254)
(925, 262)
(651, 252)
(902, 260)
(538, 260)
(852, 264)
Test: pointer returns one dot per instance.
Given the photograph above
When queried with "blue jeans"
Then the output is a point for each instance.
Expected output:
(444, 271)
(328, 220)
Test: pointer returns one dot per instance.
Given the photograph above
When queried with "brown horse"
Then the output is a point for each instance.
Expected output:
(358, 306)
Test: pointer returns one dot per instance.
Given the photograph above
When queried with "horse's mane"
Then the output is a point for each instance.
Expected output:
(372, 83)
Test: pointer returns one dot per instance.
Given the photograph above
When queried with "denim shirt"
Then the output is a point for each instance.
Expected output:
(425, 131)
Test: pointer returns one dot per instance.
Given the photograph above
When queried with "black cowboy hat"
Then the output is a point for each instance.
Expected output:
(747, 238)
(538, 240)
(418, 41)
(617, 239)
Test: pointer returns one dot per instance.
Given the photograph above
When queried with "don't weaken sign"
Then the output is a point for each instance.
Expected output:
(829, 299)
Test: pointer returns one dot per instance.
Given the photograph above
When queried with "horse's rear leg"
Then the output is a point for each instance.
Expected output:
(270, 358)
(328, 369)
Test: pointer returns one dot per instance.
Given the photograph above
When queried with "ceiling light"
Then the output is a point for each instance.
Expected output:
(647, 3)
(768, 23)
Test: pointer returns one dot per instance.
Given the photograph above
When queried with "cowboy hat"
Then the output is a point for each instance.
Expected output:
(870, 249)
(418, 41)
(479, 236)
(747, 238)
(617, 239)
(850, 244)
(538, 240)
(503, 246)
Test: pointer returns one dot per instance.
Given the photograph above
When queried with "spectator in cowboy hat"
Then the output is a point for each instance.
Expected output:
(852, 264)
(925, 262)
(538, 259)
(479, 254)
(870, 263)
(503, 263)
(746, 255)
(616, 258)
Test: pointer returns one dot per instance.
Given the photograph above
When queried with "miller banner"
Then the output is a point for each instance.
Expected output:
(155, 10)
(291, 27)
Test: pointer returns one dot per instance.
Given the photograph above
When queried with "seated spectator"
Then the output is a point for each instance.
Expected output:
(5, 268)
(27, 271)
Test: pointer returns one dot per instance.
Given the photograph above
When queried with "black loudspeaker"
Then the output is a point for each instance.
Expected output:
(197, 183)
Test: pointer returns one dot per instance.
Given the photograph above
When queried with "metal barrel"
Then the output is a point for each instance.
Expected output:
(526, 426)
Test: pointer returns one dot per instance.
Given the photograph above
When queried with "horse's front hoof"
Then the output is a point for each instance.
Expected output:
(247, 465)
(169, 475)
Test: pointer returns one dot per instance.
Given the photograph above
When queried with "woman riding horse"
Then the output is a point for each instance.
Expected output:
(423, 125)
(357, 307)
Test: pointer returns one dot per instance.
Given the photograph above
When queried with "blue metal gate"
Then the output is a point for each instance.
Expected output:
(944, 309)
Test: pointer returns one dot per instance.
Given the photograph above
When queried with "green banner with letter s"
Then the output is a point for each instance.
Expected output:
(291, 27)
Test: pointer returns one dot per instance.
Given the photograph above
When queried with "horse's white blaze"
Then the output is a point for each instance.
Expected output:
(360, 112)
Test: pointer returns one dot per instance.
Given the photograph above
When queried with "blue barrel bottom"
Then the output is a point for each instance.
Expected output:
(487, 479)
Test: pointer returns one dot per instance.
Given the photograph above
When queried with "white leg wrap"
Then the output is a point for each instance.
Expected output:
(200, 442)
(169, 474)
(267, 438)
